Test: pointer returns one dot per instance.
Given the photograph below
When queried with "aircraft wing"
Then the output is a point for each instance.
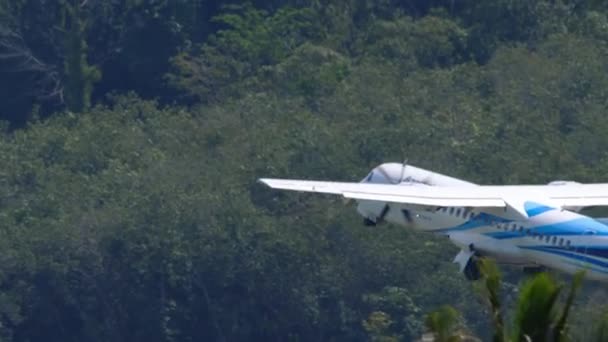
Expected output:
(488, 196)
(411, 194)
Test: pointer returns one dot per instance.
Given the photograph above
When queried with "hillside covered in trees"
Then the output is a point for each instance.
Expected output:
(132, 133)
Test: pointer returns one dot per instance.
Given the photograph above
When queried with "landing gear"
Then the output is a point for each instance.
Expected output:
(468, 261)
(471, 270)
(370, 218)
(369, 222)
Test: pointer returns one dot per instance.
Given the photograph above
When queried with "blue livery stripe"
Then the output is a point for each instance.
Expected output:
(600, 252)
(533, 208)
(580, 226)
(567, 254)
(504, 235)
(480, 220)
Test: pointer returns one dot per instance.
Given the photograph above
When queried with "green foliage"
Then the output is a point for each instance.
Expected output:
(121, 206)
(491, 279)
(135, 220)
(396, 302)
(535, 313)
(312, 71)
(442, 323)
(601, 329)
(80, 76)
(536, 316)
(376, 326)
(561, 329)
(429, 42)
(251, 40)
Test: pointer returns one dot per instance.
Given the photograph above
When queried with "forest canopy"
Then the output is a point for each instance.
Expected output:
(132, 134)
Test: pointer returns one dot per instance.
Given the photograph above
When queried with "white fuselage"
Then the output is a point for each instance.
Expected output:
(552, 237)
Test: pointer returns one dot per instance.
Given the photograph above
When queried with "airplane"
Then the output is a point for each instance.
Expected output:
(536, 227)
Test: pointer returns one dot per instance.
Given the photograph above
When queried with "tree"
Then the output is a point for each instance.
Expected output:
(537, 315)
(55, 53)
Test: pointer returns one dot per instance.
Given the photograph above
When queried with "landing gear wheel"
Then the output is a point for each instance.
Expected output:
(369, 222)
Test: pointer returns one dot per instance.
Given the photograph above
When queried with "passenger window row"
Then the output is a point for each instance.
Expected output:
(458, 212)
(506, 226)
(513, 227)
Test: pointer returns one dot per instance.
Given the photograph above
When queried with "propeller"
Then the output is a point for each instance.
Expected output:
(403, 166)
(385, 211)
(402, 175)
(407, 215)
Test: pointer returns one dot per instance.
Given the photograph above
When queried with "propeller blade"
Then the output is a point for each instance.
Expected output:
(407, 215)
(403, 171)
(383, 213)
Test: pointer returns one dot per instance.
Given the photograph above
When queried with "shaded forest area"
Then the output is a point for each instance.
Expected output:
(133, 132)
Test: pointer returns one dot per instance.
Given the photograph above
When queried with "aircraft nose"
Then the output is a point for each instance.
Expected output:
(392, 173)
(387, 173)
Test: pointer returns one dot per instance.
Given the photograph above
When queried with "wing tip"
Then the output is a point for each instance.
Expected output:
(265, 181)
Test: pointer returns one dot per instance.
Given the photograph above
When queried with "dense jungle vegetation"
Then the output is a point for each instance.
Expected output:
(133, 133)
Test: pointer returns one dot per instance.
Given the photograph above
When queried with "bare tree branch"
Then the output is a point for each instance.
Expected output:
(17, 57)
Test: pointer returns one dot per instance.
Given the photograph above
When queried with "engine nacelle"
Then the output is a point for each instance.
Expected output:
(487, 246)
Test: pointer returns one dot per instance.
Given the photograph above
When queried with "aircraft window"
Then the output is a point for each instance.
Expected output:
(528, 231)
(513, 227)
(471, 214)
(521, 229)
(452, 211)
(561, 241)
(554, 240)
(369, 178)
(457, 212)
(548, 238)
(568, 244)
